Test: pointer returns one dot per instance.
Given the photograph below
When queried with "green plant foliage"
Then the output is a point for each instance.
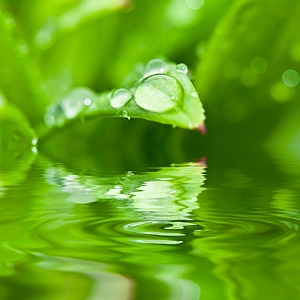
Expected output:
(94, 206)
(246, 53)
(19, 78)
(162, 92)
(249, 73)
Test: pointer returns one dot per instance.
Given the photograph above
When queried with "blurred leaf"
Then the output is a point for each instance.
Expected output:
(19, 76)
(284, 141)
(169, 28)
(160, 92)
(73, 45)
(250, 69)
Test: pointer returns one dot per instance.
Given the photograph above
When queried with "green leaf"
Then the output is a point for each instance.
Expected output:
(160, 92)
(249, 73)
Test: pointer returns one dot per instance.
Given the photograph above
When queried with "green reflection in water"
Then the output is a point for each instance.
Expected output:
(102, 228)
(156, 234)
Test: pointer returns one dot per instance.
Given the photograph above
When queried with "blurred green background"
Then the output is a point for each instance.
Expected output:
(242, 236)
(244, 58)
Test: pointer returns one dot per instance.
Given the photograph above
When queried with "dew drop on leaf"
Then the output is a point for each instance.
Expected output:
(124, 114)
(54, 116)
(74, 102)
(159, 93)
(72, 105)
(120, 97)
(182, 68)
(155, 66)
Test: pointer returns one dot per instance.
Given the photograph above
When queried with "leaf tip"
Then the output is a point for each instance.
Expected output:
(201, 129)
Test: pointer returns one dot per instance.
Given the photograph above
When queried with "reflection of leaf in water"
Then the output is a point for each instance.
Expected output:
(16, 142)
(169, 193)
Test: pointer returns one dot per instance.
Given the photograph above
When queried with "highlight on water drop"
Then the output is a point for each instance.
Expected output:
(159, 93)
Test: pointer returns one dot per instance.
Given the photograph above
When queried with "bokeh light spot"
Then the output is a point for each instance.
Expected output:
(290, 78)
(258, 65)
(281, 92)
(231, 70)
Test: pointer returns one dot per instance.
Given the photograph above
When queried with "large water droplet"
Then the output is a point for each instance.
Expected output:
(182, 68)
(290, 78)
(120, 97)
(159, 93)
(155, 66)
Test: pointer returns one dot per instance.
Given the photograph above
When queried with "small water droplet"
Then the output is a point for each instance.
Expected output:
(34, 149)
(194, 94)
(159, 93)
(120, 97)
(182, 68)
(290, 78)
(124, 114)
(155, 66)
(76, 101)
(34, 141)
(69, 107)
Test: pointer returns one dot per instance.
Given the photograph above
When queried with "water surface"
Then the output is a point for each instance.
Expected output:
(185, 231)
